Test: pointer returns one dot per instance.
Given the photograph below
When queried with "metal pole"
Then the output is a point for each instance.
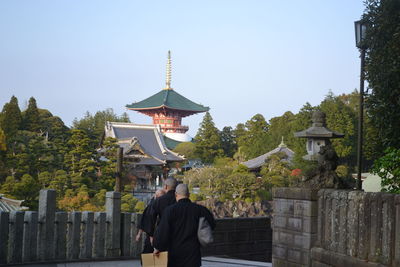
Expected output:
(360, 123)
(118, 173)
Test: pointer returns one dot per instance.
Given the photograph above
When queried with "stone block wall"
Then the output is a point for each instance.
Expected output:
(242, 238)
(295, 214)
(357, 229)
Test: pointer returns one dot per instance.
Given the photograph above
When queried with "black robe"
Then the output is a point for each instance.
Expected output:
(158, 207)
(146, 224)
(177, 233)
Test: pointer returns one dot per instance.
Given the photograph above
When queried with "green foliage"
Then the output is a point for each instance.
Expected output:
(128, 203)
(208, 141)
(340, 117)
(11, 119)
(3, 144)
(31, 117)
(140, 206)
(388, 168)
(223, 182)
(27, 189)
(187, 149)
(93, 125)
(252, 142)
(383, 68)
(228, 141)
(276, 172)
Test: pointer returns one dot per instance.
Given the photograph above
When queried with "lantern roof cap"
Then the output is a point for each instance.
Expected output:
(318, 128)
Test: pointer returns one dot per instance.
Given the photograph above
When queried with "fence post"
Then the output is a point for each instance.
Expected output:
(99, 234)
(87, 235)
(4, 221)
(47, 209)
(136, 246)
(29, 252)
(60, 235)
(125, 234)
(113, 210)
(16, 236)
(73, 235)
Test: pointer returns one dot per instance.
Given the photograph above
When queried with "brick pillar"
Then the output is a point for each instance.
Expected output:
(295, 223)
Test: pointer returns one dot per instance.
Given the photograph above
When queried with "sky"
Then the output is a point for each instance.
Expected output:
(238, 57)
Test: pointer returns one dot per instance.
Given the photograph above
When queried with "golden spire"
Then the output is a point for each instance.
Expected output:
(168, 80)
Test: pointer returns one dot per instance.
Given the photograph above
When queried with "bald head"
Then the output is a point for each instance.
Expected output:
(170, 184)
(182, 191)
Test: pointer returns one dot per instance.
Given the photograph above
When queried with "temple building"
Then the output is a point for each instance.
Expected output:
(147, 148)
(167, 108)
(256, 163)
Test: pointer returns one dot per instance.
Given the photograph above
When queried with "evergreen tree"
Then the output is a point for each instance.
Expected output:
(94, 125)
(228, 141)
(31, 117)
(383, 68)
(341, 118)
(208, 141)
(11, 119)
(80, 159)
(254, 142)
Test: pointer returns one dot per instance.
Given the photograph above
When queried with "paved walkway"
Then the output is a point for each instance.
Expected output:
(206, 262)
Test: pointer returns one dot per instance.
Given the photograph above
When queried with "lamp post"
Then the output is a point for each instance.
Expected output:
(360, 30)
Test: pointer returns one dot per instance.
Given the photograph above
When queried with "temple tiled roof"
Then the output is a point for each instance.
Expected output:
(8, 204)
(145, 143)
(168, 98)
(260, 160)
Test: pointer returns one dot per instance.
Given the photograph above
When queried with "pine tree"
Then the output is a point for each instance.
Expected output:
(228, 141)
(11, 119)
(31, 117)
(254, 142)
(208, 141)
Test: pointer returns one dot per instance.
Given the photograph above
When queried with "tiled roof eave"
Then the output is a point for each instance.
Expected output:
(168, 107)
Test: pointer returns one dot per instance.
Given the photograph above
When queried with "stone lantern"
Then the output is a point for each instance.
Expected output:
(317, 135)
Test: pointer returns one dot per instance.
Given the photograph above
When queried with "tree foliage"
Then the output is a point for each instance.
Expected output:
(208, 141)
(383, 68)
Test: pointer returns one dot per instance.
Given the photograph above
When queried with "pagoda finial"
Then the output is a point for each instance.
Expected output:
(282, 144)
(168, 80)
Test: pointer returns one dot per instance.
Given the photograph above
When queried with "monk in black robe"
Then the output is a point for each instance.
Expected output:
(161, 203)
(177, 231)
(146, 223)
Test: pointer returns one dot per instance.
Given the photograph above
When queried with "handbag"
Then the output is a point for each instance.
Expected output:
(204, 232)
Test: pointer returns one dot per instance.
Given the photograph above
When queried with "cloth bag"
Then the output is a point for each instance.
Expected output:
(149, 260)
(205, 233)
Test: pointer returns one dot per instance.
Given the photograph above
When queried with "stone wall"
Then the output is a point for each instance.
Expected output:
(50, 236)
(357, 229)
(242, 238)
(294, 226)
(335, 228)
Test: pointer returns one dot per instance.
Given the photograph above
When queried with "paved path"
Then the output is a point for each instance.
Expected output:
(206, 262)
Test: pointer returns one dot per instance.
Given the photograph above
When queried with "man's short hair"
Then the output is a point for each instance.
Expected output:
(171, 183)
(182, 190)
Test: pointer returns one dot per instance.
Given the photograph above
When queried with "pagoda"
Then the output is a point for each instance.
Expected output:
(167, 108)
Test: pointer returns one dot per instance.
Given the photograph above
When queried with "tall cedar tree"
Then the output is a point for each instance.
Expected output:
(208, 140)
(11, 119)
(383, 68)
(253, 142)
(31, 117)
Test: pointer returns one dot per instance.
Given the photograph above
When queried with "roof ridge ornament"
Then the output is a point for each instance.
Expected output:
(282, 144)
(168, 78)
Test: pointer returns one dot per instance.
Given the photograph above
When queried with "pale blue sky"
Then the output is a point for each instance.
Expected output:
(237, 57)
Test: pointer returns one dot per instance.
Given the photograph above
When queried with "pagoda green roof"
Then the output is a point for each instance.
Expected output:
(168, 98)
